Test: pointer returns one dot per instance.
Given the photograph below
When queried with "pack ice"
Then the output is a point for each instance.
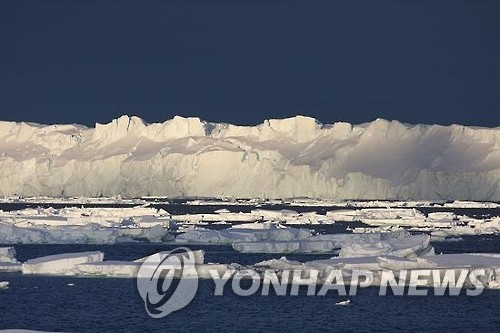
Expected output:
(279, 158)
(92, 264)
(8, 261)
(274, 239)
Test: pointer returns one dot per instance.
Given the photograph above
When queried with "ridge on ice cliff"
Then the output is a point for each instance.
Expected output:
(279, 158)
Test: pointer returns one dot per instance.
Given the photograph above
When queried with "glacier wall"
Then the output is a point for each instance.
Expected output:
(279, 158)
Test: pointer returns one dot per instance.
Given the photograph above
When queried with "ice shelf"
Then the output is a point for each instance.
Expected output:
(280, 158)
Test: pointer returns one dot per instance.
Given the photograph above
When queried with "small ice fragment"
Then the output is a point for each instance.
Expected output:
(71, 284)
(4, 284)
(344, 303)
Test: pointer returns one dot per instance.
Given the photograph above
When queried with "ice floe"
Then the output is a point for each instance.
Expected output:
(93, 264)
(60, 264)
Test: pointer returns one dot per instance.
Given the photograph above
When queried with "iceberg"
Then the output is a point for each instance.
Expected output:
(91, 233)
(294, 246)
(126, 269)
(61, 264)
(8, 255)
(110, 268)
(93, 264)
(280, 158)
(404, 247)
(8, 261)
(395, 243)
(232, 235)
(99, 225)
(279, 264)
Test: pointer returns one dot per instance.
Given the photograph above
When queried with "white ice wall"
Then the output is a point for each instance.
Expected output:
(278, 158)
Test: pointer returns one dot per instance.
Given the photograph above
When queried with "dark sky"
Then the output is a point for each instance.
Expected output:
(245, 61)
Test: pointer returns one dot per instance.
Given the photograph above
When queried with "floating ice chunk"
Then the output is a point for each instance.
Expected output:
(74, 234)
(4, 284)
(155, 234)
(292, 246)
(10, 267)
(370, 263)
(396, 243)
(203, 236)
(474, 227)
(344, 303)
(60, 264)
(109, 268)
(199, 256)
(258, 226)
(489, 262)
(397, 263)
(279, 264)
(466, 260)
(11, 234)
(8, 255)
(205, 271)
(411, 246)
(127, 269)
(231, 235)
(438, 216)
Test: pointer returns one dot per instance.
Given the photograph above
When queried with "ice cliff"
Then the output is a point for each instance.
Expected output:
(294, 157)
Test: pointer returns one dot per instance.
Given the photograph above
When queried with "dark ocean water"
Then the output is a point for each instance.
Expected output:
(113, 305)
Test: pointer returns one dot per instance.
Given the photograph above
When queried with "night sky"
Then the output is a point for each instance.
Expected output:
(246, 61)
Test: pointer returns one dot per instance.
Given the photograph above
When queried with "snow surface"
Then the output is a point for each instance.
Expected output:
(280, 158)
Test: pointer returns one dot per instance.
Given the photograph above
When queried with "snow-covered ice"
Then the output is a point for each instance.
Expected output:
(8, 255)
(93, 264)
(280, 158)
(293, 246)
(111, 225)
(232, 235)
(8, 261)
(399, 243)
(60, 264)
(84, 225)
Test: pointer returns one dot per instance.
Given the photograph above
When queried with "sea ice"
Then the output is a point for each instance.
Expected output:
(60, 264)
(8, 255)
